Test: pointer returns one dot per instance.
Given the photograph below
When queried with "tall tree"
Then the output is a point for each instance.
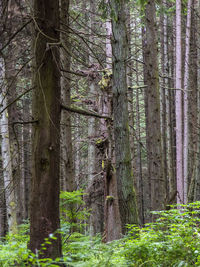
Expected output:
(11, 58)
(112, 221)
(8, 207)
(44, 207)
(156, 178)
(124, 174)
(164, 95)
(178, 102)
(67, 165)
(95, 181)
(193, 99)
(186, 81)
(196, 191)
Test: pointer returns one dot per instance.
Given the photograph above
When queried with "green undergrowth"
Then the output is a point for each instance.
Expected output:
(173, 240)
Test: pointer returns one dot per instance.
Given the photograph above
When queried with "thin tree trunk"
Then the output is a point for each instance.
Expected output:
(130, 99)
(5, 194)
(3, 219)
(11, 61)
(67, 166)
(95, 181)
(26, 155)
(164, 100)
(167, 64)
(156, 178)
(171, 114)
(185, 113)
(92, 94)
(6, 160)
(139, 178)
(194, 182)
(178, 100)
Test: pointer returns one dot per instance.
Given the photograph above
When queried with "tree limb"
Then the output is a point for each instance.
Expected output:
(13, 36)
(84, 112)
(16, 99)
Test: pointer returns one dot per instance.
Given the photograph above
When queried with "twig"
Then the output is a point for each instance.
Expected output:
(16, 99)
(13, 36)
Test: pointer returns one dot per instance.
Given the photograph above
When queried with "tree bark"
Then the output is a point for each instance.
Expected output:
(9, 183)
(11, 61)
(112, 221)
(156, 179)
(185, 112)
(6, 214)
(44, 207)
(26, 154)
(178, 101)
(165, 99)
(124, 174)
(67, 166)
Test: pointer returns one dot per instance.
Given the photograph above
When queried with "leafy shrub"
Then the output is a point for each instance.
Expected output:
(173, 240)
(73, 213)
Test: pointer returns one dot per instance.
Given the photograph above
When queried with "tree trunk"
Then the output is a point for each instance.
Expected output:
(44, 207)
(178, 100)
(112, 221)
(194, 111)
(124, 175)
(156, 179)
(11, 208)
(165, 99)
(95, 182)
(11, 61)
(26, 154)
(3, 219)
(185, 115)
(5, 192)
(171, 111)
(67, 166)
(139, 173)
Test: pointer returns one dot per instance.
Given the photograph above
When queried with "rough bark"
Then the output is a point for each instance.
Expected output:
(44, 207)
(124, 174)
(171, 110)
(112, 221)
(164, 99)
(95, 181)
(194, 111)
(178, 102)
(156, 180)
(67, 165)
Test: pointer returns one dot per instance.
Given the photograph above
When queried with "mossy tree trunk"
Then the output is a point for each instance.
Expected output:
(44, 209)
(112, 221)
(124, 174)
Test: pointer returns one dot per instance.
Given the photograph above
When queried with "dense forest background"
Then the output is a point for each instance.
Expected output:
(99, 120)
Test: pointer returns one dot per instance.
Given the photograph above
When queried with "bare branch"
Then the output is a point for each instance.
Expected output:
(84, 112)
